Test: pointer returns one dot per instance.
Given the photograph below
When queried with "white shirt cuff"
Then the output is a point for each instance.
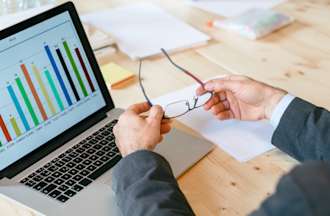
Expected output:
(280, 109)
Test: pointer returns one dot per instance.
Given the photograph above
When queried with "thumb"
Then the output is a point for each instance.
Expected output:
(219, 85)
(155, 116)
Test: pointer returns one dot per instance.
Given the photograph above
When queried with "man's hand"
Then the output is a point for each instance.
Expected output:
(239, 97)
(134, 132)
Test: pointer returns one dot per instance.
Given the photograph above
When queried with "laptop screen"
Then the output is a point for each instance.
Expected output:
(46, 86)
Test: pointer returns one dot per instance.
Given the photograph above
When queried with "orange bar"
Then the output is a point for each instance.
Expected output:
(34, 92)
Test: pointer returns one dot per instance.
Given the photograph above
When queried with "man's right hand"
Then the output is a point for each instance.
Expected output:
(242, 98)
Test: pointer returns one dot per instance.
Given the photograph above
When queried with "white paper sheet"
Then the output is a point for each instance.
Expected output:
(231, 8)
(242, 140)
(141, 29)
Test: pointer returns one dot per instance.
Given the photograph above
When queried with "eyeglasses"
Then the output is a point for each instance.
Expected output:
(179, 108)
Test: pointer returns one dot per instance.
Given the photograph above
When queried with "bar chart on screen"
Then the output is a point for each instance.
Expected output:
(44, 84)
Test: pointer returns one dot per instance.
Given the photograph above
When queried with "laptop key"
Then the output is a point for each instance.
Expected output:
(105, 158)
(55, 193)
(59, 181)
(24, 180)
(49, 188)
(66, 159)
(87, 162)
(84, 155)
(70, 193)
(104, 168)
(100, 153)
(62, 198)
(30, 183)
(64, 169)
(85, 173)
(70, 183)
(111, 154)
(53, 168)
(91, 151)
(97, 146)
(71, 164)
(93, 157)
(85, 182)
(77, 188)
(106, 148)
(73, 172)
(63, 187)
(56, 174)
(91, 167)
(37, 178)
(73, 154)
(45, 173)
(77, 178)
(66, 176)
(80, 167)
(77, 160)
(104, 142)
(98, 163)
(49, 179)
(40, 185)
(32, 175)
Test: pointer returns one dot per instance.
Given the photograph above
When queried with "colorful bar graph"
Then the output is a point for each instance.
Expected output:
(68, 75)
(27, 101)
(58, 75)
(5, 130)
(34, 92)
(75, 69)
(18, 107)
(54, 90)
(43, 89)
(15, 127)
(82, 63)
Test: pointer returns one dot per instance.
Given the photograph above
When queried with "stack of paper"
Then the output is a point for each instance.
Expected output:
(242, 140)
(231, 8)
(140, 30)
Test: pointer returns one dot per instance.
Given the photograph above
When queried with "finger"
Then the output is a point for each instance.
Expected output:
(219, 85)
(139, 108)
(155, 116)
(218, 109)
(214, 100)
(226, 115)
(200, 90)
(165, 129)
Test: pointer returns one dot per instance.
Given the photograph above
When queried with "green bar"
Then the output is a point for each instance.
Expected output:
(0, 144)
(27, 101)
(75, 69)
(54, 90)
(15, 126)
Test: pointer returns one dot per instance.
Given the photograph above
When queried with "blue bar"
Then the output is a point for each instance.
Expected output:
(58, 75)
(18, 107)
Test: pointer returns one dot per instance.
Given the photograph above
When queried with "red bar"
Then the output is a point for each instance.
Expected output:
(4, 129)
(85, 70)
(34, 92)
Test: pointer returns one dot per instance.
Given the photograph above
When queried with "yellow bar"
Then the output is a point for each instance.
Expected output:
(43, 89)
(15, 126)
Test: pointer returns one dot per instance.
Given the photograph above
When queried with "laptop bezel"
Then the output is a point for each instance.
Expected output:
(55, 143)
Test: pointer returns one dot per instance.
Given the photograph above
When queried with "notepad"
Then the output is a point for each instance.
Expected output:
(142, 29)
(115, 75)
(10, 207)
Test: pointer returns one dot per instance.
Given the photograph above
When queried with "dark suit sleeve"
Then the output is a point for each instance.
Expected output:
(304, 132)
(304, 191)
(145, 185)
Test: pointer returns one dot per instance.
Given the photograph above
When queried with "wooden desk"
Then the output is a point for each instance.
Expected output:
(296, 59)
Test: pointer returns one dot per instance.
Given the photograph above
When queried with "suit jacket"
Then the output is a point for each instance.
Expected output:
(144, 184)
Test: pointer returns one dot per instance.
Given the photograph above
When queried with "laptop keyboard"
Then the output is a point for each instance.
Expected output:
(76, 168)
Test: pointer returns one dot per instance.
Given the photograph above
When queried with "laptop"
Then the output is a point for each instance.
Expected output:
(57, 147)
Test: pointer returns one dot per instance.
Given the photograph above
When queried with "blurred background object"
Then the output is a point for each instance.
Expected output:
(12, 6)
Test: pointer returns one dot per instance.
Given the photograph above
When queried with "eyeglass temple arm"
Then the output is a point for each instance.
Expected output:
(181, 68)
(142, 87)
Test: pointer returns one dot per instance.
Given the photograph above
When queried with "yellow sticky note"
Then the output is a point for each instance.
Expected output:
(115, 74)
